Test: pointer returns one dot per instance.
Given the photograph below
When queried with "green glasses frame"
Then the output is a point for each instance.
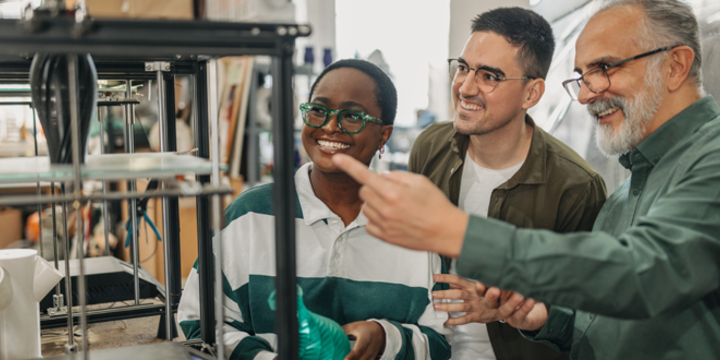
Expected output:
(307, 107)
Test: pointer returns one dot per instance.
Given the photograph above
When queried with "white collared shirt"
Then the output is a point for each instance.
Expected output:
(347, 275)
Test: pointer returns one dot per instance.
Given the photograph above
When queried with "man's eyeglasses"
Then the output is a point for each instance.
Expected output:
(486, 80)
(350, 121)
(597, 80)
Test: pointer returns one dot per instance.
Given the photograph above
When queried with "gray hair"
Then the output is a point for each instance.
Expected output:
(667, 23)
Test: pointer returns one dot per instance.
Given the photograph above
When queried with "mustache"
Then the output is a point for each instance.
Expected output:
(475, 99)
(600, 105)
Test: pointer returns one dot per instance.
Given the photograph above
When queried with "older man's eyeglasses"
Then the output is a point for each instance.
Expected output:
(350, 121)
(597, 80)
(486, 80)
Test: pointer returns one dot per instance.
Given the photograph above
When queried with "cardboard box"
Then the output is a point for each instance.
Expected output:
(11, 226)
(140, 9)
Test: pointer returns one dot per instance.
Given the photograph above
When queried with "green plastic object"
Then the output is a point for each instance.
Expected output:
(320, 338)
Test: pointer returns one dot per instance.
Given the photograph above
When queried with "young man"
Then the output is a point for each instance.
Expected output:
(492, 161)
(644, 283)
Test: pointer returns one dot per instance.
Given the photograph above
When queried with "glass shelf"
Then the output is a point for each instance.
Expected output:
(104, 167)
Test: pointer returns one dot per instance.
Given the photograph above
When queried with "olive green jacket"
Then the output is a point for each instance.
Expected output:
(646, 281)
(555, 189)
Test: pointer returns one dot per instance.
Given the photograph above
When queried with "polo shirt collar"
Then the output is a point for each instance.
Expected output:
(533, 170)
(313, 209)
(672, 132)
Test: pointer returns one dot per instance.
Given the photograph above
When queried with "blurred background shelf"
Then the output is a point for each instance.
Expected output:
(104, 167)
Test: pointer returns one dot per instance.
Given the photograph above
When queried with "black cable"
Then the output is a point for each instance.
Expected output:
(50, 96)
(142, 127)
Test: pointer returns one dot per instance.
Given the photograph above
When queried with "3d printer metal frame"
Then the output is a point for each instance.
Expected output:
(189, 46)
(170, 216)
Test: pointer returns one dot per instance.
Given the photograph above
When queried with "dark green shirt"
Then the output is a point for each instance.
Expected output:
(645, 282)
(554, 189)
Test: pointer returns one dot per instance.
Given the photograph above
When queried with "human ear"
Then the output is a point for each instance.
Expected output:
(385, 133)
(535, 90)
(681, 59)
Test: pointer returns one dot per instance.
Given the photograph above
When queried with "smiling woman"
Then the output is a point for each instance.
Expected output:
(381, 294)
(365, 92)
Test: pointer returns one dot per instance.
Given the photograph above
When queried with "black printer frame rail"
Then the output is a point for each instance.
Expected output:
(121, 50)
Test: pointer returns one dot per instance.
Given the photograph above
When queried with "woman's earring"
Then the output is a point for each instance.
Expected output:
(382, 151)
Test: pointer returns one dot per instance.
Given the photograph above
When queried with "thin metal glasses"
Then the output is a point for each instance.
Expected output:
(486, 80)
(350, 121)
(597, 80)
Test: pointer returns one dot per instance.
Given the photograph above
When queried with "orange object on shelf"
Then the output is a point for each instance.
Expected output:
(32, 227)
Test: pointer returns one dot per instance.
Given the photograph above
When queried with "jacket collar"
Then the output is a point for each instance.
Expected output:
(533, 170)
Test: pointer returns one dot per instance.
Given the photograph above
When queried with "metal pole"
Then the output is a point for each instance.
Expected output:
(253, 130)
(286, 326)
(58, 301)
(106, 221)
(54, 240)
(39, 192)
(70, 347)
(173, 236)
(217, 239)
(205, 271)
(165, 211)
(73, 89)
(129, 125)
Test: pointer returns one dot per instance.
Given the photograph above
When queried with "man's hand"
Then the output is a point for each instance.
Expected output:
(520, 313)
(479, 303)
(407, 209)
(369, 340)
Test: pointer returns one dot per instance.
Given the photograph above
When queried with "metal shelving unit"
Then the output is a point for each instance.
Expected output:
(157, 50)
(104, 167)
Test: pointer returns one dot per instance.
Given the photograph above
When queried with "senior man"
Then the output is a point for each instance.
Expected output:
(645, 283)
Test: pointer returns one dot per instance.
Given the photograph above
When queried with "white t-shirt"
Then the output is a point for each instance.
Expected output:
(471, 341)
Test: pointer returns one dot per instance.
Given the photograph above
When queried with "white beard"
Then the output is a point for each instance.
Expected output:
(639, 112)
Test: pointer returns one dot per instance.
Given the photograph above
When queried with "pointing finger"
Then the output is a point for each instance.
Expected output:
(402, 177)
(359, 171)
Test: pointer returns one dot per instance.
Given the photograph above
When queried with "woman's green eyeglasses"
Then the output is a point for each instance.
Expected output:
(350, 121)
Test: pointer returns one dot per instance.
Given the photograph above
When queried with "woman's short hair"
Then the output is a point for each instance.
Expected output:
(385, 92)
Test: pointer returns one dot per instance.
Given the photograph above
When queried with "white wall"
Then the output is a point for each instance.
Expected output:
(412, 35)
(320, 14)
(406, 22)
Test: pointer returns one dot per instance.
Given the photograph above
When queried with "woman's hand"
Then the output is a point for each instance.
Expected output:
(369, 340)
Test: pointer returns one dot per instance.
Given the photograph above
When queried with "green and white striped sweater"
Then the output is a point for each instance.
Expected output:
(346, 275)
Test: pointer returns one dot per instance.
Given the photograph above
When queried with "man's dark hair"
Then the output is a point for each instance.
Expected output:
(385, 92)
(524, 29)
